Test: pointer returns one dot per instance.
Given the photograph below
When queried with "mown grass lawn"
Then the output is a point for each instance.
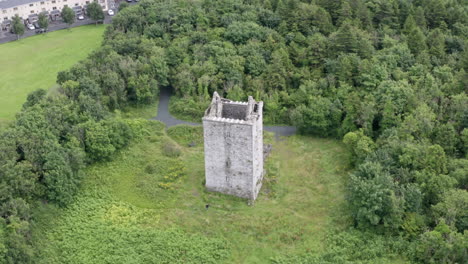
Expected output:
(33, 63)
(137, 194)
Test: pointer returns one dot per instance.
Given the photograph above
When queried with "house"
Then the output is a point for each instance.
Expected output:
(78, 10)
(25, 8)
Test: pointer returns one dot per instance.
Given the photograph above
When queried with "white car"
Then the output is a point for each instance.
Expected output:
(30, 26)
(110, 12)
(80, 17)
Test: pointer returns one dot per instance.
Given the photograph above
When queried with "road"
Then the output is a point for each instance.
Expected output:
(165, 117)
(163, 111)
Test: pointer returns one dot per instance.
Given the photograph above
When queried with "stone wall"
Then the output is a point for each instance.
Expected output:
(228, 157)
(258, 150)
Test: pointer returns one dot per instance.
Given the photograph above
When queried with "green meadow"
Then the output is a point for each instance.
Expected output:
(33, 63)
(148, 205)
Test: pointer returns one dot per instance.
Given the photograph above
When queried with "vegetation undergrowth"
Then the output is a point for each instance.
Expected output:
(146, 111)
(145, 206)
(188, 110)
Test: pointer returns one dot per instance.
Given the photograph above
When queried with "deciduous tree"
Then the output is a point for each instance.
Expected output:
(68, 16)
(43, 21)
(94, 10)
(18, 26)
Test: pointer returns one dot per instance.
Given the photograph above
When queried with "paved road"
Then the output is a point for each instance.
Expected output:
(165, 117)
(163, 111)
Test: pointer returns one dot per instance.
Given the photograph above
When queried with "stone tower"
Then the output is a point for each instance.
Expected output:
(233, 133)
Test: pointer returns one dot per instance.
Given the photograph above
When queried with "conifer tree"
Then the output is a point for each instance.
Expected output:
(436, 13)
(345, 12)
(436, 43)
(281, 9)
(409, 25)
(267, 4)
(420, 17)
(416, 41)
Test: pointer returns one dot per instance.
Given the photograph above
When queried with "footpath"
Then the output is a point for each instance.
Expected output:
(165, 117)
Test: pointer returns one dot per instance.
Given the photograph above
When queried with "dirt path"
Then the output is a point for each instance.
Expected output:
(165, 117)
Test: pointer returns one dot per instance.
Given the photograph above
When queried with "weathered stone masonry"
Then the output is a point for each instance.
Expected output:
(233, 133)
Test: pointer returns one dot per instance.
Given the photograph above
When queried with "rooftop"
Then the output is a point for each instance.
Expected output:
(4, 4)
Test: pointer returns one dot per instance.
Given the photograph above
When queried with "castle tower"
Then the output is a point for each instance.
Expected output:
(233, 133)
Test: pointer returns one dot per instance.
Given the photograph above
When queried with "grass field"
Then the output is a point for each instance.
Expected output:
(33, 63)
(155, 188)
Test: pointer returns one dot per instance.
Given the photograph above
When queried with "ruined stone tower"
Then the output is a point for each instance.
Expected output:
(233, 133)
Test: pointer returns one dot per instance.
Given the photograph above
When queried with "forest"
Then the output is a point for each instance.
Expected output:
(387, 77)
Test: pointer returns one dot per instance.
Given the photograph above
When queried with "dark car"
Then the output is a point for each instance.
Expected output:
(41, 30)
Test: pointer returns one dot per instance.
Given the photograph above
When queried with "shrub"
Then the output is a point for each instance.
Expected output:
(441, 245)
(188, 108)
(171, 150)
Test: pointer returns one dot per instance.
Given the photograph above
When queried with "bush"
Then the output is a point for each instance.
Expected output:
(188, 109)
(321, 117)
(373, 197)
(359, 145)
(441, 245)
(103, 138)
(171, 150)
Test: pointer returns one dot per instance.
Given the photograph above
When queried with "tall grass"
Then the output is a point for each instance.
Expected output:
(146, 206)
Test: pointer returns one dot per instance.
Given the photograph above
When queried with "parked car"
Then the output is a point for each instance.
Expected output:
(80, 17)
(110, 12)
(41, 30)
(30, 26)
